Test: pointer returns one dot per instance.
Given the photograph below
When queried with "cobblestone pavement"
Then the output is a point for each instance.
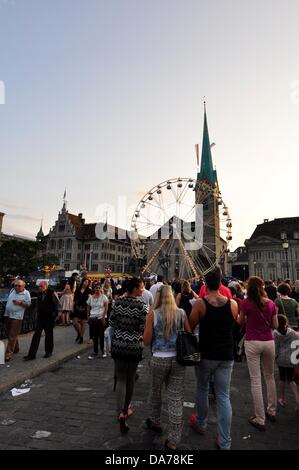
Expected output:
(76, 404)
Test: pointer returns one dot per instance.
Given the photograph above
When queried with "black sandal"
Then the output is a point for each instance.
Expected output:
(123, 427)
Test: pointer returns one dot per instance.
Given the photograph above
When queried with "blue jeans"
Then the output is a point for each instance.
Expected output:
(222, 371)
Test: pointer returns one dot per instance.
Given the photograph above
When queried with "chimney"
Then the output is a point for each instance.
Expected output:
(80, 215)
(1, 221)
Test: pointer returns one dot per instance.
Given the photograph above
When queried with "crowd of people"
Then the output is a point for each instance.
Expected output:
(255, 320)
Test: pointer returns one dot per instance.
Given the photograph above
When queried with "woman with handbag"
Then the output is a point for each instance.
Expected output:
(261, 315)
(161, 331)
(217, 315)
(97, 307)
(79, 316)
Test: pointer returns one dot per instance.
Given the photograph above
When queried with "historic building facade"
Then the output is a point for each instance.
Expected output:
(273, 249)
(94, 247)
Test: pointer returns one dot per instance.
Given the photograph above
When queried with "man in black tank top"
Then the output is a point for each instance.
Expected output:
(216, 315)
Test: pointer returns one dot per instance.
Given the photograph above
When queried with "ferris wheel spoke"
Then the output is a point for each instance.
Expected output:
(206, 255)
(184, 191)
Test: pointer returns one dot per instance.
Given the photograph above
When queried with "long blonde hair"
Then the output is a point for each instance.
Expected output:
(164, 300)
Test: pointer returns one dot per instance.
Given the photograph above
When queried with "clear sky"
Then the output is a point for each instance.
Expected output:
(104, 97)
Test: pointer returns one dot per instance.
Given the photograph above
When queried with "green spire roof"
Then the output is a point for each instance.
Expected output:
(206, 168)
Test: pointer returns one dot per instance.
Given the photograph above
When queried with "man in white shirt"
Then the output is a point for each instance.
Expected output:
(18, 300)
(156, 286)
(148, 298)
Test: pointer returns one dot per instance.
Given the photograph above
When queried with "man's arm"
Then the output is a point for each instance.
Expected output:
(197, 313)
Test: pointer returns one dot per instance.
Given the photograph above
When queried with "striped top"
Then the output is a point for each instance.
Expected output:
(127, 319)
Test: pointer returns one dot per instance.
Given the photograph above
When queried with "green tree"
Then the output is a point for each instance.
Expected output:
(22, 257)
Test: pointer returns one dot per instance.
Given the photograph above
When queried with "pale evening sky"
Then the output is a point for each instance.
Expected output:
(104, 97)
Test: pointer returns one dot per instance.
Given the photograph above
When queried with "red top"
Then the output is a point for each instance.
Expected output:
(258, 325)
(222, 289)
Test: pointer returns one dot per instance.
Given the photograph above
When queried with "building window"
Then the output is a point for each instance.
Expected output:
(69, 244)
(272, 273)
(95, 246)
(68, 256)
(87, 247)
(260, 271)
(79, 246)
(78, 256)
(283, 255)
(258, 255)
(283, 235)
(67, 267)
(296, 235)
(61, 227)
(60, 244)
(96, 256)
(270, 255)
(94, 267)
(52, 244)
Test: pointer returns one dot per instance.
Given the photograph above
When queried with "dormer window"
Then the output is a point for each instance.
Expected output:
(283, 235)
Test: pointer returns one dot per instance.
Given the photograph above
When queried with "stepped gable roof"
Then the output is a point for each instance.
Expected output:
(75, 219)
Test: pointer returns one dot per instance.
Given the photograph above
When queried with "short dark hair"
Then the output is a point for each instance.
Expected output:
(213, 279)
(133, 283)
(160, 278)
(284, 289)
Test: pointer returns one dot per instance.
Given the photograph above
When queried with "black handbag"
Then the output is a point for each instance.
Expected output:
(187, 348)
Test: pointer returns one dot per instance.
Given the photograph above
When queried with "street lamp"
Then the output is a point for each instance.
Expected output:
(285, 246)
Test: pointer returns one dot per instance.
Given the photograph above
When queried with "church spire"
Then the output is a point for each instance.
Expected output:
(40, 233)
(64, 201)
(206, 168)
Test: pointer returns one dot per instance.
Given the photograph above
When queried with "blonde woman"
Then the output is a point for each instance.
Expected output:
(67, 305)
(161, 328)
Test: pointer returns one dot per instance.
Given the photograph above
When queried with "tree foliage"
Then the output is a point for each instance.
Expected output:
(22, 257)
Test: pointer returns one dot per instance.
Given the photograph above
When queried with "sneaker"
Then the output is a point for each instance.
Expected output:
(47, 355)
(193, 423)
(80, 340)
(253, 422)
(92, 356)
(104, 355)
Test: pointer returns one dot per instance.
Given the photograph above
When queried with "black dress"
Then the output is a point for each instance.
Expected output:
(80, 303)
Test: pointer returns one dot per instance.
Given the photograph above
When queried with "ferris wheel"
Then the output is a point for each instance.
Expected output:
(157, 222)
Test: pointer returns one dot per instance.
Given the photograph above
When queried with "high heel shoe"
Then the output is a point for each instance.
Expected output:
(123, 427)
